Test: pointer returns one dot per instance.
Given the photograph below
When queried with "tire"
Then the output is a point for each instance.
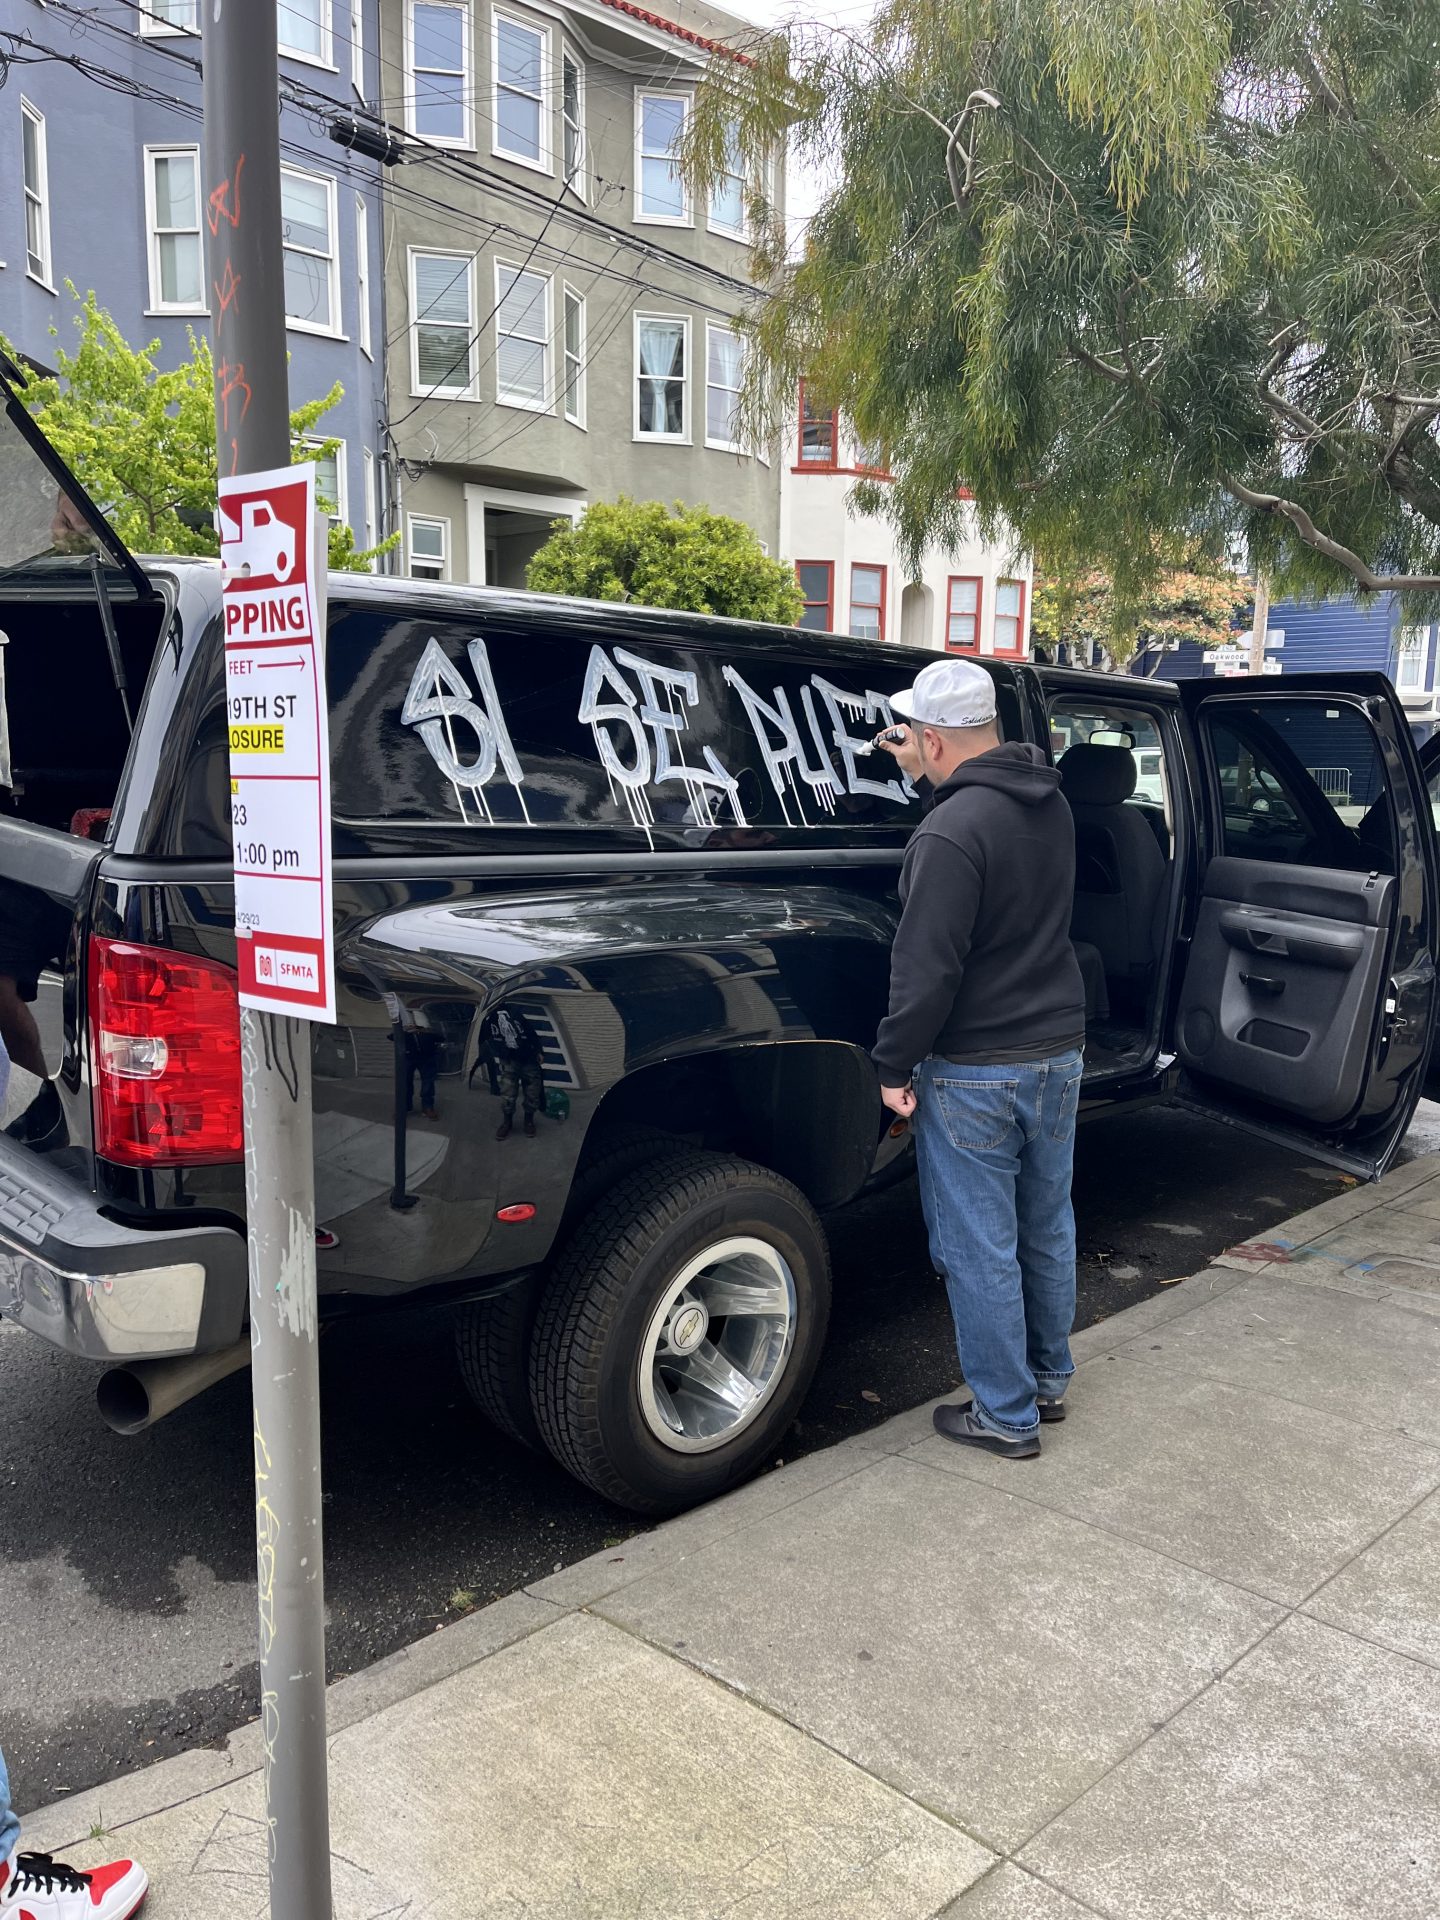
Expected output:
(599, 1397)
(492, 1345)
(492, 1337)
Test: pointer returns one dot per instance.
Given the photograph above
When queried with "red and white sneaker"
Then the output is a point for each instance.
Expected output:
(35, 1887)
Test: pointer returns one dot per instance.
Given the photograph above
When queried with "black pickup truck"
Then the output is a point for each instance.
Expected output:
(614, 892)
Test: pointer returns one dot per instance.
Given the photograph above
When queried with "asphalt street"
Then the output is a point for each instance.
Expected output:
(126, 1566)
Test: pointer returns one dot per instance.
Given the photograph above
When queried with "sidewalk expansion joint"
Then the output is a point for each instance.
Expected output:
(958, 1472)
(738, 1691)
(1192, 1372)
(1159, 1727)
(876, 1455)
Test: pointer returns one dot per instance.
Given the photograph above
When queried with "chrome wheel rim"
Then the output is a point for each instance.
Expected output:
(717, 1345)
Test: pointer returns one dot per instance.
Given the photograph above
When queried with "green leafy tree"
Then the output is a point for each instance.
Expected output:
(1196, 603)
(1119, 267)
(659, 556)
(140, 438)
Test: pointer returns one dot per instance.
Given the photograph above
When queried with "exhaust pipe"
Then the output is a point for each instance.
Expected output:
(133, 1398)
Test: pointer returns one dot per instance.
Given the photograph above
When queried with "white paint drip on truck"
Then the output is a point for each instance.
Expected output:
(638, 713)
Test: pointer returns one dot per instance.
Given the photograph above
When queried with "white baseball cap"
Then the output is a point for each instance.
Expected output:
(951, 693)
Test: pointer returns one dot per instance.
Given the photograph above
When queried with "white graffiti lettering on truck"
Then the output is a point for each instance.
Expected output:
(638, 712)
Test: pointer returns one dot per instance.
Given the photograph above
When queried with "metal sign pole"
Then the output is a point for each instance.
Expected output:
(247, 312)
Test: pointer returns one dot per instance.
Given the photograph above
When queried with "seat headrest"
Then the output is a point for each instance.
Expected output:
(1097, 776)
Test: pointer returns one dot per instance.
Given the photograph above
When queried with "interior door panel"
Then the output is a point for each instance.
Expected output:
(1309, 988)
(1287, 969)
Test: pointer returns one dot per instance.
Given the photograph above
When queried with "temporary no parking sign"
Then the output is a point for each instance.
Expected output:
(272, 548)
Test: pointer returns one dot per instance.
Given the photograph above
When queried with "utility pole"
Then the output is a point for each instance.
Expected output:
(252, 413)
(1261, 624)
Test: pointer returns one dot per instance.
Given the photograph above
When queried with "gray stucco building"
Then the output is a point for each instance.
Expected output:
(560, 309)
(101, 184)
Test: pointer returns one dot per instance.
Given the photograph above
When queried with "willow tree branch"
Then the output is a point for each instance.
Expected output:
(1342, 110)
(1291, 511)
(1117, 376)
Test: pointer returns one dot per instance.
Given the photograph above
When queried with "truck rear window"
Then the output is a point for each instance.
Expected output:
(494, 722)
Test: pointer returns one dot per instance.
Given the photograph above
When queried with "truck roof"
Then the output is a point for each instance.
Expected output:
(388, 590)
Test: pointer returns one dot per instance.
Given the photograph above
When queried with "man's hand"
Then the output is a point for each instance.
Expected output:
(906, 751)
(899, 1100)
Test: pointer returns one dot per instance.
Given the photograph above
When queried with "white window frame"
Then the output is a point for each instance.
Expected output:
(772, 175)
(546, 162)
(372, 503)
(687, 217)
(429, 520)
(545, 340)
(314, 442)
(721, 446)
(39, 194)
(332, 222)
(418, 389)
(577, 182)
(569, 294)
(738, 231)
(681, 439)
(152, 27)
(880, 607)
(1412, 648)
(996, 615)
(357, 48)
(158, 304)
(326, 56)
(465, 139)
(362, 275)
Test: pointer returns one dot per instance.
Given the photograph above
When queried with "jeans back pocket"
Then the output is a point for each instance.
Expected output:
(1069, 1106)
(978, 1114)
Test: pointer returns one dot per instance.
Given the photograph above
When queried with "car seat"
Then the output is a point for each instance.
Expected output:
(1119, 867)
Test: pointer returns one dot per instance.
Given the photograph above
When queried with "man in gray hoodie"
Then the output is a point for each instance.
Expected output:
(982, 1048)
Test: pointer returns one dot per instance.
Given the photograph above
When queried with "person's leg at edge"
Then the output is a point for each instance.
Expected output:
(967, 1144)
(1045, 1220)
(9, 1825)
(31, 1880)
(509, 1094)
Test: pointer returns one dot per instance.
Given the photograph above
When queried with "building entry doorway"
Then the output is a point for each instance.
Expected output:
(511, 542)
(507, 529)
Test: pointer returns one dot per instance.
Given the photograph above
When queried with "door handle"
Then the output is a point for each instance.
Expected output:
(1262, 983)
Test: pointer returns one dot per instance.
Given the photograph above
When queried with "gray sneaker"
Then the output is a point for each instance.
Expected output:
(964, 1426)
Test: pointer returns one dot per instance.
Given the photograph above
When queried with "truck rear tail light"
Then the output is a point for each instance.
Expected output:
(165, 1045)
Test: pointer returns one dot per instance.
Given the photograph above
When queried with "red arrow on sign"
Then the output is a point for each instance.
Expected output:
(264, 665)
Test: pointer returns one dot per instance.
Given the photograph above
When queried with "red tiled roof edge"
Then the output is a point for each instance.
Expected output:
(681, 33)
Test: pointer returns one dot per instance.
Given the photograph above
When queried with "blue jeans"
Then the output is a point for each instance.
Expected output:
(995, 1147)
(9, 1825)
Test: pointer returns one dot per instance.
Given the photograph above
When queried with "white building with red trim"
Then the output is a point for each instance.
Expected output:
(975, 600)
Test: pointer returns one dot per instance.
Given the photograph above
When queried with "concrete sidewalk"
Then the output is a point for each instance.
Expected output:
(1186, 1664)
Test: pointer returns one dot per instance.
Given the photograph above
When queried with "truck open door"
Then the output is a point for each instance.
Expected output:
(1308, 991)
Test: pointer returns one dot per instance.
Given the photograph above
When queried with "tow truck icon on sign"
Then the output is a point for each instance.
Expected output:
(266, 544)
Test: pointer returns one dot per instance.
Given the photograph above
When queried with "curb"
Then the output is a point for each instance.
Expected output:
(166, 1784)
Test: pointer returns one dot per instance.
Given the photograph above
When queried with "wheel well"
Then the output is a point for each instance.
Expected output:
(808, 1109)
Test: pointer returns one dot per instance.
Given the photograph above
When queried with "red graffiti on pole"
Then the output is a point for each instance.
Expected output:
(227, 289)
(220, 207)
(232, 380)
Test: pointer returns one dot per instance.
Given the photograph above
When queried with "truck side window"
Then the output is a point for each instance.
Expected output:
(1302, 783)
(1136, 733)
